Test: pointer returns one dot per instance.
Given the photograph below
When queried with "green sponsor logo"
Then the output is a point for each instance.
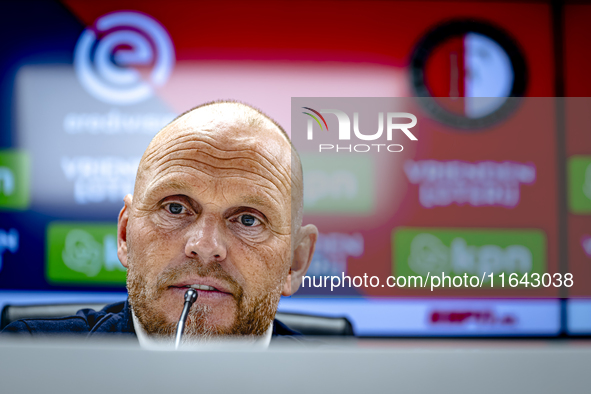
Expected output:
(335, 184)
(83, 253)
(419, 251)
(579, 184)
(14, 179)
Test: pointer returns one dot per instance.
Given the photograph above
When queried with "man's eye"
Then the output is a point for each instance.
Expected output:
(248, 220)
(175, 208)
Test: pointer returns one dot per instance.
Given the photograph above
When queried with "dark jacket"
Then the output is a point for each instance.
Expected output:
(114, 319)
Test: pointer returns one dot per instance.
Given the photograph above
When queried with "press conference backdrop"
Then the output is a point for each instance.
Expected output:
(86, 85)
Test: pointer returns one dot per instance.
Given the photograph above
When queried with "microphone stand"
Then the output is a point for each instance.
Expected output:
(190, 298)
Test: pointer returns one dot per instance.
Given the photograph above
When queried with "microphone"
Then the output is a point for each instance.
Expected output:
(190, 298)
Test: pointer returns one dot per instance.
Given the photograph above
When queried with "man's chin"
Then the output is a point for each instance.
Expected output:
(203, 320)
(212, 315)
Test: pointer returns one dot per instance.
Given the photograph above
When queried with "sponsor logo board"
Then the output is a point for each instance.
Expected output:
(579, 184)
(14, 179)
(83, 253)
(334, 185)
(472, 251)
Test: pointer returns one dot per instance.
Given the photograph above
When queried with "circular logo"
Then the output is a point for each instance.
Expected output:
(428, 254)
(82, 253)
(465, 72)
(123, 57)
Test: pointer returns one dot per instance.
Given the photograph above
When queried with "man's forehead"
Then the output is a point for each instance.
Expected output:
(227, 126)
(214, 135)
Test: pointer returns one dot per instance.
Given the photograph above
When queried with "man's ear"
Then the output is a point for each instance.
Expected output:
(122, 230)
(302, 257)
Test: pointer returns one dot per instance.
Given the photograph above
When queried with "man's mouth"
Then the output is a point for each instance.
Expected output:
(201, 287)
(205, 291)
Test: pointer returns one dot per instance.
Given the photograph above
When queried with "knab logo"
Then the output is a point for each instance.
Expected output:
(467, 251)
(395, 122)
(106, 53)
(83, 253)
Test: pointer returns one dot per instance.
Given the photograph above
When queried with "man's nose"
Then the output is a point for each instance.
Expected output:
(206, 240)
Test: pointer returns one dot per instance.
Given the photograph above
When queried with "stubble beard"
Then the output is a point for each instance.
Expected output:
(254, 315)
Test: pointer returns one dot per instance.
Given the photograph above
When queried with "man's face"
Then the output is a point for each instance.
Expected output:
(211, 210)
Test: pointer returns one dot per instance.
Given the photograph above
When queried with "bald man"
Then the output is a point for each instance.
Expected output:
(217, 207)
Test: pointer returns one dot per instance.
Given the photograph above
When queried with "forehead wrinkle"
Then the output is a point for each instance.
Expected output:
(188, 186)
(156, 185)
(257, 200)
(179, 185)
(254, 200)
(192, 136)
(229, 171)
(198, 137)
(266, 160)
(284, 171)
(275, 174)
